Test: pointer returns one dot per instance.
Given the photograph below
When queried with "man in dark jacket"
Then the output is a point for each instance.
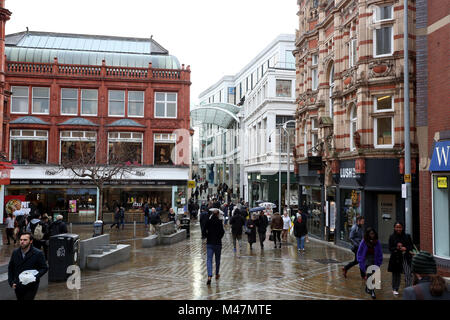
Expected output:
(204, 216)
(214, 234)
(24, 258)
(155, 219)
(237, 222)
(355, 237)
(300, 232)
(261, 225)
(58, 226)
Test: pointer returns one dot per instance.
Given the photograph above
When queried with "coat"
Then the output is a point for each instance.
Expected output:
(300, 228)
(261, 223)
(57, 227)
(252, 227)
(214, 230)
(362, 253)
(34, 260)
(237, 222)
(423, 288)
(396, 258)
(277, 222)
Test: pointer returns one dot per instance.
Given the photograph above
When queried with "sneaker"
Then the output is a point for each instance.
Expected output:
(395, 292)
(208, 282)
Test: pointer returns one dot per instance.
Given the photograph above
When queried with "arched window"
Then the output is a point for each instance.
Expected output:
(353, 119)
(331, 83)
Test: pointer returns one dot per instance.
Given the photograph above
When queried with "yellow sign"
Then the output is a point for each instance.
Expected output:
(191, 184)
(442, 182)
(407, 178)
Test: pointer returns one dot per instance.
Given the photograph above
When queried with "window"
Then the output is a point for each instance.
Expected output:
(383, 104)
(125, 147)
(41, 97)
(89, 102)
(29, 146)
(69, 101)
(135, 103)
(165, 105)
(78, 147)
(383, 13)
(19, 100)
(353, 120)
(165, 148)
(284, 88)
(315, 59)
(314, 125)
(315, 78)
(305, 141)
(383, 132)
(441, 217)
(384, 40)
(314, 135)
(116, 102)
(331, 83)
(352, 58)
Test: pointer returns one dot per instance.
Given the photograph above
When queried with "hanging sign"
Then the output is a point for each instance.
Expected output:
(442, 182)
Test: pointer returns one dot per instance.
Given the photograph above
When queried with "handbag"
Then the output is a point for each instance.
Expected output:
(271, 237)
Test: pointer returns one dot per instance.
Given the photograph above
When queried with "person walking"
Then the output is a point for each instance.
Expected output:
(214, 234)
(237, 222)
(276, 225)
(261, 224)
(122, 217)
(428, 285)
(204, 216)
(116, 218)
(369, 253)
(25, 258)
(10, 228)
(300, 232)
(146, 210)
(171, 215)
(155, 219)
(400, 246)
(250, 226)
(355, 237)
(286, 226)
(46, 229)
(58, 226)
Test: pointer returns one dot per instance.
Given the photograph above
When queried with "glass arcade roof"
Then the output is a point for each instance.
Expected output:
(219, 114)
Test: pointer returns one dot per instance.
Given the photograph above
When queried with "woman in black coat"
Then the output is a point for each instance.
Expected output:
(400, 246)
(251, 227)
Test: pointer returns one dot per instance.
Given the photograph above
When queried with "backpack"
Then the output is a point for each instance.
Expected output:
(38, 232)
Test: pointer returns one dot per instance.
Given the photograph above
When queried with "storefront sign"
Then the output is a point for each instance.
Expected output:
(17, 205)
(314, 163)
(72, 206)
(440, 160)
(90, 182)
(348, 173)
(407, 178)
(191, 184)
(442, 182)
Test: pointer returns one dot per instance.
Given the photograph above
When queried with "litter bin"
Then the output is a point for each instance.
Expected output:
(98, 228)
(63, 252)
(185, 223)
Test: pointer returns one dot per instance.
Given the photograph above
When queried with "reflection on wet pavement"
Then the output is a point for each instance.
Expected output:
(179, 272)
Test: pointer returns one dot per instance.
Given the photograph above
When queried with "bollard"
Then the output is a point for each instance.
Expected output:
(134, 228)
(71, 227)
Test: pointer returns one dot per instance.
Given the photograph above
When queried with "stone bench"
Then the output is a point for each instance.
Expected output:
(86, 247)
(6, 292)
(150, 241)
(180, 235)
(165, 228)
(103, 258)
(165, 235)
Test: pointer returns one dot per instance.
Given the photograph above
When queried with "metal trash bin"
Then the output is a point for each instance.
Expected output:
(64, 251)
(98, 228)
(185, 223)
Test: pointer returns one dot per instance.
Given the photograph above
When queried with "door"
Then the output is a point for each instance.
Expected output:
(386, 216)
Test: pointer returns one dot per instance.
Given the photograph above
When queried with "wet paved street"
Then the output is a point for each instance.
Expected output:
(179, 272)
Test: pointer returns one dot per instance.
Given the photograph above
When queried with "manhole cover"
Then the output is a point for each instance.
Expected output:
(326, 261)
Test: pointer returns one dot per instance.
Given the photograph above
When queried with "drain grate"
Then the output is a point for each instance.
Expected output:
(326, 261)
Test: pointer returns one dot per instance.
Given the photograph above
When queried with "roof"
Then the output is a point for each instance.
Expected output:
(125, 123)
(29, 120)
(43, 47)
(220, 114)
(78, 122)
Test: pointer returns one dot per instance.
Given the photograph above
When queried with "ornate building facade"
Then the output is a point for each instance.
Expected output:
(350, 132)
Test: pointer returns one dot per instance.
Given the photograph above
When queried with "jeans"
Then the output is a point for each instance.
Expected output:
(354, 263)
(301, 242)
(213, 249)
(237, 237)
(146, 220)
(122, 222)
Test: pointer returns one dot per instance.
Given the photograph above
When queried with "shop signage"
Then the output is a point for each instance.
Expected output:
(407, 178)
(90, 182)
(191, 184)
(442, 182)
(314, 163)
(348, 173)
(440, 160)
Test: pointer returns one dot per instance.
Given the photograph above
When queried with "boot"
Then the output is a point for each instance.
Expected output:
(372, 294)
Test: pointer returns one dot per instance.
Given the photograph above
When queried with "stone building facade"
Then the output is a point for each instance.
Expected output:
(350, 113)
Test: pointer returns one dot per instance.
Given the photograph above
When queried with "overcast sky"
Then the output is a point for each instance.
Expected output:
(214, 37)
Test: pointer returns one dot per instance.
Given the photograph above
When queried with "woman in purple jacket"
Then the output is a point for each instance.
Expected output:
(369, 253)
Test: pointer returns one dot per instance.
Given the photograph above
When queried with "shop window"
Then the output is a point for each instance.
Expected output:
(136, 103)
(41, 97)
(165, 105)
(78, 147)
(384, 132)
(441, 216)
(29, 146)
(350, 210)
(383, 104)
(383, 41)
(284, 88)
(164, 148)
(69, 101)
(89, 102)
(116, 102)
(19, 100)
(125, 147)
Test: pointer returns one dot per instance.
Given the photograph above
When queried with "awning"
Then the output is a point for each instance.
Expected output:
(219, 114)
(440, 160)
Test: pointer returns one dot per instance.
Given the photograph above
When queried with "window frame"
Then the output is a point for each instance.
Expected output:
(383, 20)
(375, 42)
(165, 104)
(375, 103)
(314, 79)
(143, 104)
(81, 103)
(61, 101)
(353, 120)
(21, 137)
(109, 104)
(32, 100)
(171, 138)
(76, 139)
(375, 133)
(28, 100)
(352, 52)
(119, 139)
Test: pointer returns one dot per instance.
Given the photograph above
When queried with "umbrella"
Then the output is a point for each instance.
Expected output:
(270, 204)
(259, 201)
(257, 209)
(214, 209)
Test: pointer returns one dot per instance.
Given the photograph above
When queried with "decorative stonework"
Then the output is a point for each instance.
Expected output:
(382, 68)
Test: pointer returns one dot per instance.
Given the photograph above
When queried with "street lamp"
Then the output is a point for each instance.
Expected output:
(288, 171)
(279, 170)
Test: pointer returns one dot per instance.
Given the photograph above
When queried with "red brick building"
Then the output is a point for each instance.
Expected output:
(61, 89)
(433, 127)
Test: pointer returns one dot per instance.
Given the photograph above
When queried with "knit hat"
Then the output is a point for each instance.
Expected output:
(423, 263)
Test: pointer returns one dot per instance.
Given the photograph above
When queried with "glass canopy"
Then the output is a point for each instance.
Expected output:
(219, 114)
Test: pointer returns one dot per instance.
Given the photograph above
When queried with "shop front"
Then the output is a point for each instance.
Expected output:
(440, 176)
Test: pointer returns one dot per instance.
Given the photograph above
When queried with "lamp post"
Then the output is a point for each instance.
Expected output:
(279, 170)
(288, 169)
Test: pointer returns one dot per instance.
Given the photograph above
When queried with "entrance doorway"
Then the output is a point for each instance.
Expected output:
(386, 216)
